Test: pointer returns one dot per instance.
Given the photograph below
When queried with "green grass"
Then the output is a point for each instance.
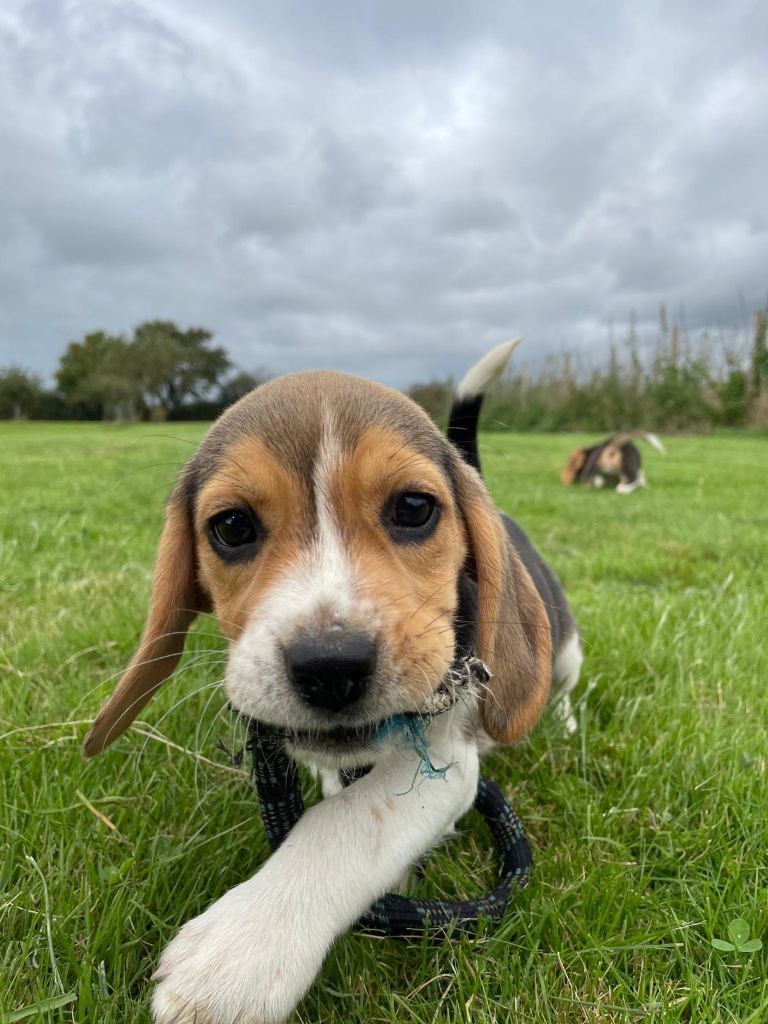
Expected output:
(649, 826)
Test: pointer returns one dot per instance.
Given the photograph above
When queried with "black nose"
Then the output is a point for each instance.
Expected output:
(332, 669)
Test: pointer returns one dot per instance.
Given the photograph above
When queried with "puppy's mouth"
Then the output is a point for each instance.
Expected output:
(338, 740)
(341, 740)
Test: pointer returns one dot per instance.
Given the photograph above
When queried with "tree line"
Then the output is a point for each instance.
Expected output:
(164, 372)
(684, 383)
(161, 372)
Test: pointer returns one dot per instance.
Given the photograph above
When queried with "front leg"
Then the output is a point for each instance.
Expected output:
(254, 953)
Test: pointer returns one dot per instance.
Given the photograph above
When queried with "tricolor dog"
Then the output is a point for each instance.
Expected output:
(613, 462)
(348, 550)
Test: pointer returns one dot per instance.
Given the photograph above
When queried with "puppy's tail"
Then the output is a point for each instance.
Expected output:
(643, 435)
(468, 400)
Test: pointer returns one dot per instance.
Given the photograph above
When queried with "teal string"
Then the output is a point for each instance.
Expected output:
(411, 730)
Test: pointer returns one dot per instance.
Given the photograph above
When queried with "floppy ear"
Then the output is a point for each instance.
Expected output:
(573, 466)
(176, 599)
(513, 632)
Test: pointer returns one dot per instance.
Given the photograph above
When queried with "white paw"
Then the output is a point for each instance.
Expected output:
(234, 963)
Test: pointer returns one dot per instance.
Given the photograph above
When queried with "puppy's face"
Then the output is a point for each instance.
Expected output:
(334, 575)
(330, 527)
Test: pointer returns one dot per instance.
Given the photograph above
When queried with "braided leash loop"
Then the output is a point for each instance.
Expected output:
(279, 791)
(277, 782)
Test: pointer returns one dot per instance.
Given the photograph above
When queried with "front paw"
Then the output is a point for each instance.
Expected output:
(232, 964)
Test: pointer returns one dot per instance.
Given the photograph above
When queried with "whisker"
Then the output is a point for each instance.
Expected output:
(182, 700)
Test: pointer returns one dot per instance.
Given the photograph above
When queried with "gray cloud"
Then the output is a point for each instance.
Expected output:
(385, 188)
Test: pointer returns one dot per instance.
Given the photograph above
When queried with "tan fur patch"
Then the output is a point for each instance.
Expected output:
(412, 586)
(252, 476)
(610, 460)
(573, 466)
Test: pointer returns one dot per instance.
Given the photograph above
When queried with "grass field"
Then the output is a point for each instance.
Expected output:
(649, 826)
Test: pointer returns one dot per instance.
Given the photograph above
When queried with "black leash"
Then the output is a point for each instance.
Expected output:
(277, 782)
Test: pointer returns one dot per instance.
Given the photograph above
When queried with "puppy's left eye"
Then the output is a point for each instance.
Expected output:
(411, 516)
(234, 534)
(411, 509)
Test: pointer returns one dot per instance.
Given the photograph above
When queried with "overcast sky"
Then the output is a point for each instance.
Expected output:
(381, 186)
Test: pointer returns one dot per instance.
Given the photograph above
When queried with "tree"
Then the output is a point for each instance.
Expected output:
(20, 393)
(176, 366)
(99, 377)
(234, 388)
(760, 351)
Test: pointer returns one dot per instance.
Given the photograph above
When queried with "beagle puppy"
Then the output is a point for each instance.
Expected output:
(613, 462)
(349, 552)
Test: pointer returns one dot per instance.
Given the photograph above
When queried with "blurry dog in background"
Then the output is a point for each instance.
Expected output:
(613, 462)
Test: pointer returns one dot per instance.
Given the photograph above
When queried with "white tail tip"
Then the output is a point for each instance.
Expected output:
(479, 377)
(654, 442)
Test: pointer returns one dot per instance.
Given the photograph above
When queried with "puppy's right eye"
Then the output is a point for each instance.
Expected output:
(233, 529)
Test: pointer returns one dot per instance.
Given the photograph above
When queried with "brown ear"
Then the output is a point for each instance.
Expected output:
(176, 599)
(573, 466)
(513, 632)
